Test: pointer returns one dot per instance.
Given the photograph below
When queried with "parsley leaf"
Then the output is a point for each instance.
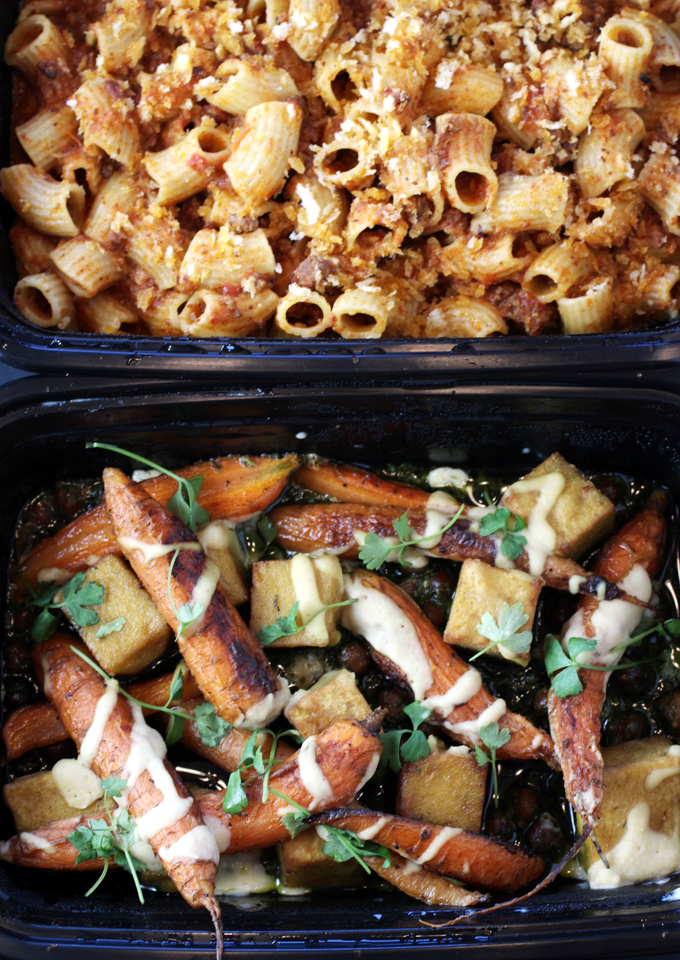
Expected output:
(293, 821)
(287, 626)
(76, 598)
(375, 550)
(344, 845)
(113, 626)
(184, 503)
(563, 669)
(113, 786)
(235, 800)
(501, 520)
(493, 738)
(415, 748)
(507, 631)
(211, 728)
(186, 615)
(668, 629)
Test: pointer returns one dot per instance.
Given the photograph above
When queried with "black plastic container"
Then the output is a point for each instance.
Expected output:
(232, 361)
(44, 424)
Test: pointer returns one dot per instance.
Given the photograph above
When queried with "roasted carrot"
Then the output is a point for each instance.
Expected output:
(450, 686)
(424, 884)
(347, 755)
(230, 490)
(350, 484)
(84, 700)
(481, 861)
(307, 528)
(575, 720)
(226, 659)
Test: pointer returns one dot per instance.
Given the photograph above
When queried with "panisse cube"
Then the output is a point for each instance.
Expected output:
(483, 589)
(447, 788)
(577, 512)
(641, 787)
(334, 697)
(144, 634)
(220, 544)
(36, 802)
(312, 583)
(305, 866)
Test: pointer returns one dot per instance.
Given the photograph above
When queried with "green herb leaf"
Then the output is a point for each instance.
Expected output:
(113, 786)
(344, 845)
(501, 520)
(288, 626)
(187, 615)
(177, 683)
(391, 752)
(493, 522)
(493, 738)
(113, 626)
(183, 503)
(75, 598)
(175, 731)
(235, 798)
(416, 746)
(563, 669)
(375, 551)
(402, 528)
(44, 626)
(293, 822)
(211, 728)
(507, 631)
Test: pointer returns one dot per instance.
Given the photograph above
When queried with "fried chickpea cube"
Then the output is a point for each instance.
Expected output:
(447, 788)
(305, 866)
(334, 697)
(637, 772)
(144, 635)
(220, 544)
(278, 584)
(580, 515)
(36, 802)
(483, 589)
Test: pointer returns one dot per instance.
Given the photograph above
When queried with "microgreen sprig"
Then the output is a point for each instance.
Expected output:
(341, 845)
(506, 632)
(76, 598)
(375, 550)
(415, 748)
(187, 614)
(563, 668)
(112, 838)
(235, 798)
(288, 626)
(112, 626)
(668, 629)
(183, 503)
(501, 520)
(211, 728)
(493, 738)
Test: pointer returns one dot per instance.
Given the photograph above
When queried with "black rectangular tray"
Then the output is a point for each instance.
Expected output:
(234, 360)
(44, 424)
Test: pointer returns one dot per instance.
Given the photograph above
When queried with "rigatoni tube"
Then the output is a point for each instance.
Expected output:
(258, 164)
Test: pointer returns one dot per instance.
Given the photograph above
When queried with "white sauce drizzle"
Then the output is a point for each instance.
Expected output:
(613, 621)
(53, 575)
(34, 842)
(674, 750)
(655, 777)
(463, 689)
(471, 728)
(447, 477)
(77, 784)
(196, 844)
(312, 776)
(641, 854)
(371, 831)
(370, 770)
(575, 582)
(306, 589)
(541, 537)
(389, 631)
(435, 521)
(412, 867)
(152, 551)
(219, 830)
(446, 834)
(203, 591)
(93, 738)
(144, 852)
(261, 714)
(241, 874)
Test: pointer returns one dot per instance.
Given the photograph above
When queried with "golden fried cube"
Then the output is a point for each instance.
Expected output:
(36, 802)
(144, 635)
(305, 866)
(334, 697)
(447, 788)
(278, 584)
(638, 772)
(220, 544)
(483, 589)
(580, 515)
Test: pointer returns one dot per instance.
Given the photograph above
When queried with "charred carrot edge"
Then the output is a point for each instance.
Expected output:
(575, 721)
(425, 885)
(349, 484)
(225, 658)
(75, 688)
(526, 741)
(470, 857)
(230, 489)
(306, 528)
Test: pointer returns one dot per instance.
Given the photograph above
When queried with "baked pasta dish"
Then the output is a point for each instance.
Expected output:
(268, 673)
(302, 168)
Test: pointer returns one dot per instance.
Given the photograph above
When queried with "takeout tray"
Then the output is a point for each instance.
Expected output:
(44, 424)
(234, 360)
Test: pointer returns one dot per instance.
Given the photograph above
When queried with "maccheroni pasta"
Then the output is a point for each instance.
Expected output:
(300, 168)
